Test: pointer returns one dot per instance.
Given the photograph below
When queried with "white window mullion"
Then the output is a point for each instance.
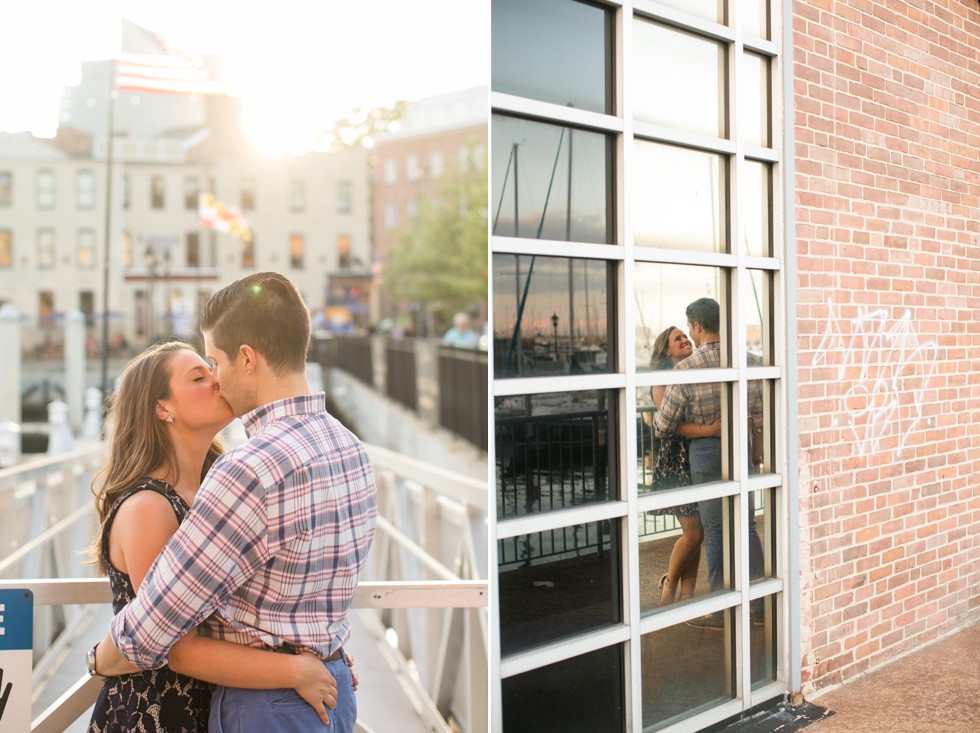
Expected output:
(624, 86)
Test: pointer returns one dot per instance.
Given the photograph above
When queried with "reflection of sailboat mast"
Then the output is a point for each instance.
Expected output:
(568, 238)
(503, 189)
(522, 301)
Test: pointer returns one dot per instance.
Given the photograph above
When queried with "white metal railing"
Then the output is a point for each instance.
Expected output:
(424, 587)
(432, 525)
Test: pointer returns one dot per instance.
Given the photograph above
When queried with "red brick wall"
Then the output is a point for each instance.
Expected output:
(887, 126)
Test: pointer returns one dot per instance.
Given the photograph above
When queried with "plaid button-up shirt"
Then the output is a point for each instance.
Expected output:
(272, 547)
(693, 403)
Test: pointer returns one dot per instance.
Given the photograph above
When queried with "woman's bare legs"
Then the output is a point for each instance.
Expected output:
(685, 558)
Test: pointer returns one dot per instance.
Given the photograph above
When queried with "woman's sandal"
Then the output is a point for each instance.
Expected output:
(668, 590)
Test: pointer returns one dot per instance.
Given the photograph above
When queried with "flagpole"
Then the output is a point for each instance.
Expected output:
(107, 249)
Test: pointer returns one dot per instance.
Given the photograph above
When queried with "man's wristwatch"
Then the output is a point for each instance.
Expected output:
(90, 661)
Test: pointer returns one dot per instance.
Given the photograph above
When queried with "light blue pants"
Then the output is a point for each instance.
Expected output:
(234, 710)
(705, 456)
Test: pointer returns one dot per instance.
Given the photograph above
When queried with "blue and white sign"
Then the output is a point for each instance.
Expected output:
(16, 642)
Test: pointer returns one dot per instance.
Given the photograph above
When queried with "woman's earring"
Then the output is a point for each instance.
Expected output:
(170, 418)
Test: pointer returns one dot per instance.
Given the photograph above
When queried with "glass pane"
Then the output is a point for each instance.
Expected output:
(756, 194)
(664, 295)
(551, 316)
(755, 17)
(557, 583)
(760, 409)
(551, 182)
(671, 545)
(763, 641)
(753, 102)
(682, 85)
(763, 507)
(663, 462)
(553, 451)
(552, 50)
(679, 198)
(757, 307)
(583, 694)
(713, 10)
(685, 670)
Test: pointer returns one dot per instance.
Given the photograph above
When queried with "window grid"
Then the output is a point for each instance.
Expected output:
(735, 263)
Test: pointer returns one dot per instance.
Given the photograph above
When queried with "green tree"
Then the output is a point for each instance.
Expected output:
(442, 258)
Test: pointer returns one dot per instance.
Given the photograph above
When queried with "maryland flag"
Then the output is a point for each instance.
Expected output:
(215, 215)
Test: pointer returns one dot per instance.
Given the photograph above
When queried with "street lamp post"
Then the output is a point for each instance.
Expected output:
(554, 325)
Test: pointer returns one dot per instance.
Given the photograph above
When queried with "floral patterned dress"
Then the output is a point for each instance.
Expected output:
(157, 701)
(673, 470)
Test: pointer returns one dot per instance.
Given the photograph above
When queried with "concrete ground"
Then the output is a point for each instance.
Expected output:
(932, 690)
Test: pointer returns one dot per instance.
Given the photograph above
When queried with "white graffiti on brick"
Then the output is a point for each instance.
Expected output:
(884, 371)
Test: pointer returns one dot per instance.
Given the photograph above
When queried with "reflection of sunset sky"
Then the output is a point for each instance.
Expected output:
(549, 294)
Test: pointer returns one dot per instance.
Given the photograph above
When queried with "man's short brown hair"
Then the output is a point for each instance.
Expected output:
(265, 311)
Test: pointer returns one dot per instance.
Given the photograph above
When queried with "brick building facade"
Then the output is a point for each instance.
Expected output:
(887, 128)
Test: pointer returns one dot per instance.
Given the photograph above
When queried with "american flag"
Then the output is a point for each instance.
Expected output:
(147, 63)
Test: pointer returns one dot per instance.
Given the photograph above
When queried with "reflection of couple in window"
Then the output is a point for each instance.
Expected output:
(688, 423)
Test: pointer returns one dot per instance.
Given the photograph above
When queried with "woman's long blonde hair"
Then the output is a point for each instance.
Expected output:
(139, 442)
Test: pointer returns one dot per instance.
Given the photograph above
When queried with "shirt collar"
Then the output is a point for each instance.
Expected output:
(289, 407)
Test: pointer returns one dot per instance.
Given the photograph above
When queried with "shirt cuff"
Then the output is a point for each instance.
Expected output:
(129, 646)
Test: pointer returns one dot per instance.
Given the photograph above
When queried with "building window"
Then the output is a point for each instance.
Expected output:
(85, 251)
(391, 171)
(45, 190)
(297, 195)
(700, 248)
(436, 164)
(6, 188)
(45, 249)
(127, 249)
(343, 251)
(248, 193)
(45, 309)
(141, 314)
(411, 212)
(248, 253)
(193, 241)
(296, 244)
(192, 189)
(127, 185)
(412, 170)
(6, 248)
(572, 68)
(85, 190)
(391, 216)
(581, 205)
(158, 192)
(343, 197)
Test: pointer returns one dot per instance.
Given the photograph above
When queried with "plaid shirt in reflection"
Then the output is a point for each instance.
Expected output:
(272, 546)
(694, 403)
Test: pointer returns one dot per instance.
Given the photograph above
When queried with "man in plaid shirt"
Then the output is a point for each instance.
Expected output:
(701, 404)
(270, 553)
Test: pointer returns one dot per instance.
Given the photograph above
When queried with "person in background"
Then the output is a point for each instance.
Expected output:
(270, 553)
(461, 335)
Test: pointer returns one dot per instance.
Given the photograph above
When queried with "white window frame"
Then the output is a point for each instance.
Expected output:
(784, 585)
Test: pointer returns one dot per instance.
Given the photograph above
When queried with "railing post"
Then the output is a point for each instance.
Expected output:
(60, 439)
(10, 363)
(74, 367)
(93, 414)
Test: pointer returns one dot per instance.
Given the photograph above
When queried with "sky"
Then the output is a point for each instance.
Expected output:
(296, 64)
